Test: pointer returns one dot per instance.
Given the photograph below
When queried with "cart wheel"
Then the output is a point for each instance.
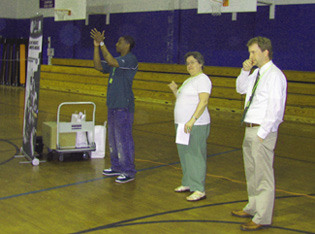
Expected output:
(61, 157)
(86, 155)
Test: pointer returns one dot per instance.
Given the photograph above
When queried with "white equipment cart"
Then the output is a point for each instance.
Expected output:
(72, 127)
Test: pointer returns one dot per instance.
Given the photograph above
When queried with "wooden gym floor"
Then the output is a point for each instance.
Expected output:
(74, 197)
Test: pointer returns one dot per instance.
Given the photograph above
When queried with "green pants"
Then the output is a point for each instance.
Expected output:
(193, 158)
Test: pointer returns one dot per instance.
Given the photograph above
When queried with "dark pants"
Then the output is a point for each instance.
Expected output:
(121, 144)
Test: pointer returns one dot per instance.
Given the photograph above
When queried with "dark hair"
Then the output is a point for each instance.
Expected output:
(197, 55)
(263, 43)
(130, 41)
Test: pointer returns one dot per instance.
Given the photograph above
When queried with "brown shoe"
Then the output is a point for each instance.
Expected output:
(252, 226)
(241, 214)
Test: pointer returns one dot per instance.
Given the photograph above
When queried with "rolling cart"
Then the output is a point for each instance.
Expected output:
(73, 127)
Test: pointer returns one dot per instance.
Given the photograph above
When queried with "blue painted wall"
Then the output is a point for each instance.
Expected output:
(165, 37)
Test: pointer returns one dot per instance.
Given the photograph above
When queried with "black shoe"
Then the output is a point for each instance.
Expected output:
(123, 179)
(110, 172)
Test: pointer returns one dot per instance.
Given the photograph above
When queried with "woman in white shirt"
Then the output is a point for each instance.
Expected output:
(192, 122)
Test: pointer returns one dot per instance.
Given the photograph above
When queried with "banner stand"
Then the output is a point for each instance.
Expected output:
(34, 161)
(32, 90)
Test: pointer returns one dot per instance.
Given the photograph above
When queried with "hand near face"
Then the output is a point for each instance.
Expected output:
(248, 64)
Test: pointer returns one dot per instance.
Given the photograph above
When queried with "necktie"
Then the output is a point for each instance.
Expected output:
(250, 98)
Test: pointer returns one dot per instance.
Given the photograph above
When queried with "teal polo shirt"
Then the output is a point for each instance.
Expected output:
(119, 89)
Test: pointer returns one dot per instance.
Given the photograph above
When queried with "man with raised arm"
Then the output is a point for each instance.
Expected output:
(120, 103)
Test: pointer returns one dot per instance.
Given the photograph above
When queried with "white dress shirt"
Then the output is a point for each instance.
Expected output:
(268, 104)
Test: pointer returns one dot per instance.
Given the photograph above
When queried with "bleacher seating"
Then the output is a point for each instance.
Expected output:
(151, 80)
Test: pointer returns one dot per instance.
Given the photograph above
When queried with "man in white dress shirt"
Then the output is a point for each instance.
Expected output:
(264, 110)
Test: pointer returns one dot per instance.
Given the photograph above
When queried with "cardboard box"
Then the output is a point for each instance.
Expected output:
(49, 133)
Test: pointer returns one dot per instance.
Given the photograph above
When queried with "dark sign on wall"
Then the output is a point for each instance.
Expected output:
(46, 3)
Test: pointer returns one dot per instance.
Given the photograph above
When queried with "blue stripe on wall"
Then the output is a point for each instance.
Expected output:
(165, 37)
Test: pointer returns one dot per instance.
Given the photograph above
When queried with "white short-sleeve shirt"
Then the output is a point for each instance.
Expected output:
(188, 98)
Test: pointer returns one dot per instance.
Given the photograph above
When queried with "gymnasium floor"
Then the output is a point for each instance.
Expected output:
(74, 197)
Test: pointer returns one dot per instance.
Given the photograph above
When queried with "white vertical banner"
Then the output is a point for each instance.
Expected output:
(32, 86)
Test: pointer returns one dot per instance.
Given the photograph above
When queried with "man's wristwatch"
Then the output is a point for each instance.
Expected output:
(101, 43)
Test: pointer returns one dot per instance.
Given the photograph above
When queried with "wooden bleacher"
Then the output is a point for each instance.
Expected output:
(151, 80)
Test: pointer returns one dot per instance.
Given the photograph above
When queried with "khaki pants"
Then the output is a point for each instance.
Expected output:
(258, 162)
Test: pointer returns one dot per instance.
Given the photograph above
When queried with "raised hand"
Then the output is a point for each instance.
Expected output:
(97, 36)
(173, 86)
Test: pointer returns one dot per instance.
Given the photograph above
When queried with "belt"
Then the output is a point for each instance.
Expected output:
(250, 125)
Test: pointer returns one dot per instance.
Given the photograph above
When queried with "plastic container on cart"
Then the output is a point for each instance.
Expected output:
(74, 127)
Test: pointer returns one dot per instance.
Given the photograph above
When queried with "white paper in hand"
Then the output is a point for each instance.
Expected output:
(182, 137)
